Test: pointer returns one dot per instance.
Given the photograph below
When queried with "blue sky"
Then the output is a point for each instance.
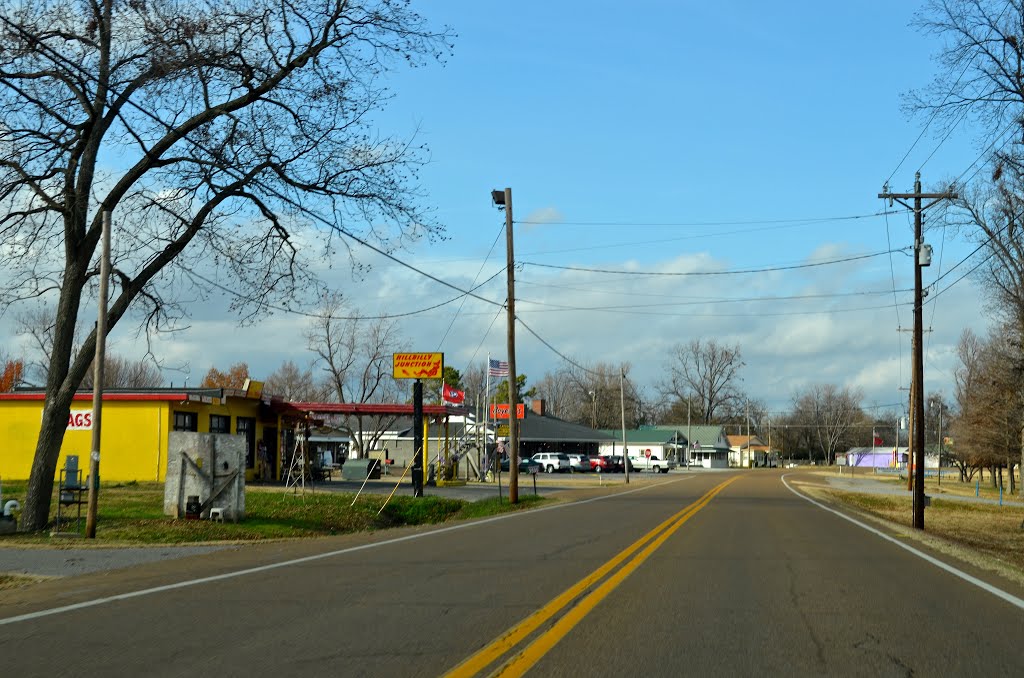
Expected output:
(662, 137)
(737, 124)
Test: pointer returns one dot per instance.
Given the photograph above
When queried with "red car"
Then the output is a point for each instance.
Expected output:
(600, 465)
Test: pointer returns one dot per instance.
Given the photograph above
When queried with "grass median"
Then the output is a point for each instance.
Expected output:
(132, 514)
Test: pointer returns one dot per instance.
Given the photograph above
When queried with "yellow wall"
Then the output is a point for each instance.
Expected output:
(133, 444)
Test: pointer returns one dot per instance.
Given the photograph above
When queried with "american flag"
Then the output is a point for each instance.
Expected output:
(497, 368)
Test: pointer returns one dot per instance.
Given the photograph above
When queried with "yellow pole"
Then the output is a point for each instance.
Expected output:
(426, 446)
(392, 491)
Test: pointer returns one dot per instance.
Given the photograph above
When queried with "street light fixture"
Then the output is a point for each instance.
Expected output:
(593, 416)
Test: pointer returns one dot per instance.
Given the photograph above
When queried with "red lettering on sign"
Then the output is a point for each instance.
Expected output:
(80, 420)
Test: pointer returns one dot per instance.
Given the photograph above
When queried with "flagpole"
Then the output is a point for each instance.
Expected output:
(442, 403)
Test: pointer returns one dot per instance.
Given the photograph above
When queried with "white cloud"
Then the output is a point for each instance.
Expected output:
(544, 215)
(594, 317)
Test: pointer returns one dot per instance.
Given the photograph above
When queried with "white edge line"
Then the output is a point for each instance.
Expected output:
(320, 556)
(999, 593)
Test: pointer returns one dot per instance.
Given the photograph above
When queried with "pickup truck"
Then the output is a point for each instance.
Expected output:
(651, 463)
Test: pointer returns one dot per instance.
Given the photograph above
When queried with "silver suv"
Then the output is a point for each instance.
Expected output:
(552, 461)
(579, 463)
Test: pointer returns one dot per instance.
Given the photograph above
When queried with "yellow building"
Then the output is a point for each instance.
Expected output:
(135, 428)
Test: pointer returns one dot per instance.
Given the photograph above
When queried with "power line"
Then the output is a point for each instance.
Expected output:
(555, 350)
(666, 314)
(475, 278)
(800, 221)
(294, 311)
(711, 300)
(779, 314)
(892, 273)
(715, 273)
(481, 345)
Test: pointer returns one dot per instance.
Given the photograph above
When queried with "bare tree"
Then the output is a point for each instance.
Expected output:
(983, 58)
(830, 413)
(216, 131)
(37, 323)
(121, 372)
(473, 381)
(708, 374)
(743, 415)
(591, 395)
(565, 397)
(356, 353)
(988, 429)
(294, 383)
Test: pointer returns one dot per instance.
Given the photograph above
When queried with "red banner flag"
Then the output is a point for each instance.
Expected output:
(877, 441)
(451, 395)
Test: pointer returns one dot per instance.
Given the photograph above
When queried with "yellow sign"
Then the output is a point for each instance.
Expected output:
(502, 431)
(418, 365)
(252, 388)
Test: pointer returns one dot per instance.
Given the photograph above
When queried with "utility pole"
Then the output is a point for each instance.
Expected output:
(940, 443)
(689, 442)
(911, 443)
(750, 461)
(622, 404)
(922, 257)
(505, 199)
(97, 387)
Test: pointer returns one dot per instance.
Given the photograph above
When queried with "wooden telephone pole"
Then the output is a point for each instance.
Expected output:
(92, 506)
(922, 257)
(504, 199)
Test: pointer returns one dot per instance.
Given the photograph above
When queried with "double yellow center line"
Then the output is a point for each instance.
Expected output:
(521, 662)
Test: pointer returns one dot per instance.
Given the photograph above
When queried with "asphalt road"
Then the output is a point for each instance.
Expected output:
(744, 577)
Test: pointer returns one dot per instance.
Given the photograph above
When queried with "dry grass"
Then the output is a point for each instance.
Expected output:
(14, 581)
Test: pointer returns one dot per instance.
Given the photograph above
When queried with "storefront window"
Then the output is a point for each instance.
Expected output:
(220, 423)
(186, 421)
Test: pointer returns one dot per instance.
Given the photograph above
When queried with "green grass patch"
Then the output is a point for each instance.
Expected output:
(132, 513)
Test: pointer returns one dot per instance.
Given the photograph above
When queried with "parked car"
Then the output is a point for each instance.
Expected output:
(578, 463)
(525, 466)
(552, 461)
(618, 464)
(600, 464)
